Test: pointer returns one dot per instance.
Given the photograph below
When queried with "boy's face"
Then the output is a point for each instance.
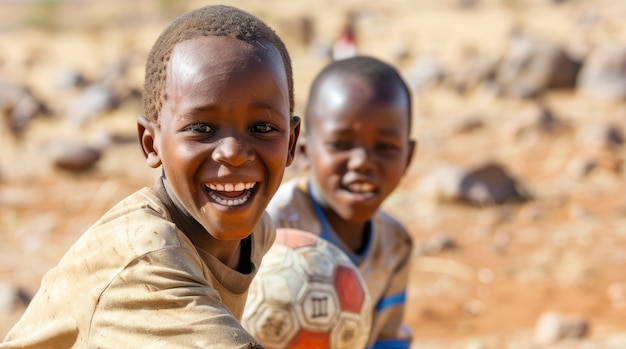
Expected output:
(224, 134)
(357, 146)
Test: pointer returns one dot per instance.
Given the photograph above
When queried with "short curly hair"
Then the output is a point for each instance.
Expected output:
(216, 20)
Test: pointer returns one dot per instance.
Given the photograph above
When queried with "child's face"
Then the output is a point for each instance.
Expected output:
(357, 146)
(224, 135)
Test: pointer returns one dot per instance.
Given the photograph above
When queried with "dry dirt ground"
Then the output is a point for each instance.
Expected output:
(563, 251)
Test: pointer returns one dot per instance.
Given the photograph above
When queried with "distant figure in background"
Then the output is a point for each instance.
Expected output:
(170, 265)
(357, 148)
(346, 44)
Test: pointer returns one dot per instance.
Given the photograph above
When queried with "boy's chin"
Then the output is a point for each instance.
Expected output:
(232, 235)
(360, 213)
(233, 228)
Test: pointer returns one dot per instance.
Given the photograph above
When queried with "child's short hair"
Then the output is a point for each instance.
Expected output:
(367, 68)
(217, 20)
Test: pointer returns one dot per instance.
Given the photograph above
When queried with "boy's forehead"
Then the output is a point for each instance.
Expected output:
(220, 71)
(337, 89)
(349, 95)
(216, 62)
(213, 50)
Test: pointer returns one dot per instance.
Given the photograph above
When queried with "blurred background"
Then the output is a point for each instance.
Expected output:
(515, 198)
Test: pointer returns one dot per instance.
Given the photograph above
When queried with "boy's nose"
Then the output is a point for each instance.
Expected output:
(359, 159)
(232, 151)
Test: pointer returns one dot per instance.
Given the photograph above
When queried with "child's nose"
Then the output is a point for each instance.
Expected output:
(232, 151)
(359, 159)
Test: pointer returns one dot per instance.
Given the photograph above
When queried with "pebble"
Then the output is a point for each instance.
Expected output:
(553, 326)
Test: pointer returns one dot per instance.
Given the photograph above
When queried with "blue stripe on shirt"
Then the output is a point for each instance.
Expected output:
(392, 300)
(390, 344)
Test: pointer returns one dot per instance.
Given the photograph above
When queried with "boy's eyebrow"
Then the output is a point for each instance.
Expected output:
(389, 131)
(262, 105)
(257, 105)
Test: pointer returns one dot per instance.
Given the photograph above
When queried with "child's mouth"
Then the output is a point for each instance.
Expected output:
(361, 190)
(230, 194)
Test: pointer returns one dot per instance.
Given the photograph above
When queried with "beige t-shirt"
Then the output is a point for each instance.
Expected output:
(384, 266)
(135, 280)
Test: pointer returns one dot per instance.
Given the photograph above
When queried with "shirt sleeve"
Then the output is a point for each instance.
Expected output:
(162, 299)
(389, 310)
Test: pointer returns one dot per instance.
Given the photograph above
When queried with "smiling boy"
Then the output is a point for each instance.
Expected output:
(170, 265)
(358, 147)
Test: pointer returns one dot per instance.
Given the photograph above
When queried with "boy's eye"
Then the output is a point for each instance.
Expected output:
(199, 128)
(339, 145)
(386, 147)
(264, 127)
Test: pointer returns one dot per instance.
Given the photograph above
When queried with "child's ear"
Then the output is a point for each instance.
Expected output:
(294, 125)
(412, 151)
(301, 161)
(147, 135)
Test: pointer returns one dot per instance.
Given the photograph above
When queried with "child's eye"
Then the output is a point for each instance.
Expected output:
(199, 128)
(387, 147)
(339, 145)
(264, 127)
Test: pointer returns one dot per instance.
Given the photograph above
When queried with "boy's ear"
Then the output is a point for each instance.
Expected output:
(294, 125)
(301, 161)
(412, 151)
(146, 130)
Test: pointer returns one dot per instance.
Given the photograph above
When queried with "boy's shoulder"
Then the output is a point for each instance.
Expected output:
(387, 219)
(291, 201)
(138, 208)
(391, 228)
(139, 223)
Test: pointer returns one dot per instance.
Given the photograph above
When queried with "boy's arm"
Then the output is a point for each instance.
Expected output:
(163, 299)
(392, 333)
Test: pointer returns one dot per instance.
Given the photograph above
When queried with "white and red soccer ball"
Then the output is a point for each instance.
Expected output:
(307, 294)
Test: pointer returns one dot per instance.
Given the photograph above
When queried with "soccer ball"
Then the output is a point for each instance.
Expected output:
(307, 294)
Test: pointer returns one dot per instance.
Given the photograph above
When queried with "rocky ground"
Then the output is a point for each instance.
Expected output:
(514, 198)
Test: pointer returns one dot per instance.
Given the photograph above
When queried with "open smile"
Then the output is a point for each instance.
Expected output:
(230, 194)
(361, 190)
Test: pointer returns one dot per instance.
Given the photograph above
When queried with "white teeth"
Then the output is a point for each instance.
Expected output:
(231, 202)
(231, 186)
(362, 187)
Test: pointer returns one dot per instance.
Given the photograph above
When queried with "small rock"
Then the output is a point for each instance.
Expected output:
(73, 156)
(69, 78)
(603, 73)
(601, 135)
(472, 73)
(424, 73)
(19, 106)
(95, 100)
(490, 184)
(539, 119)
(553, 326)
(485, 184)
(468, 125)
(12, 299)
(532, 65)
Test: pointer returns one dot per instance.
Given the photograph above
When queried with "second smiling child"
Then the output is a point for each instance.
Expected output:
(358, 147)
